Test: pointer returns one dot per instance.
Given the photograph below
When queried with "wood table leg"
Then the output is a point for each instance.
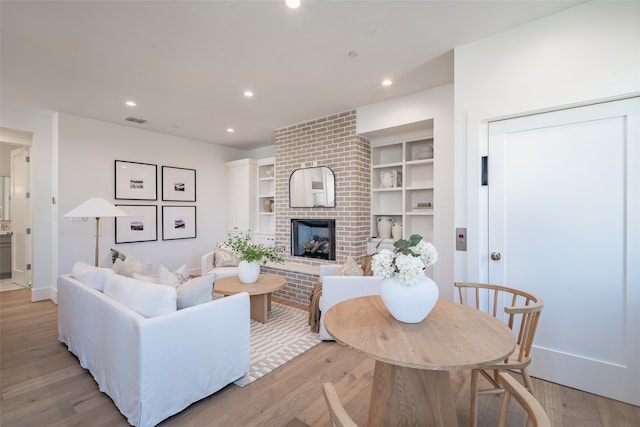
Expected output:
(411, 397)
(258, 304)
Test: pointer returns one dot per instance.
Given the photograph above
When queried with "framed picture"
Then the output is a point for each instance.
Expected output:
(140, 226)
(178, 222)
(136, 181)
(178, 184)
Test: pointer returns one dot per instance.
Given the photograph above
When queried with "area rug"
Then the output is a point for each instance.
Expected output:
(285, 336)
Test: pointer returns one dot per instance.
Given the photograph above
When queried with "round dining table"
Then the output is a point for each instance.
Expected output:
(411, 384)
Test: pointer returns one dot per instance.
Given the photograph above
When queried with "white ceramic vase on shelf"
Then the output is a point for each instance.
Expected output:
(248, 272)
(386, 180)
(409, 303)
(384, 227)
(396, 230)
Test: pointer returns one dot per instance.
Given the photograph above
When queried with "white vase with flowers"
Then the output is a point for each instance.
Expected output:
(252, 255)
(406, 291)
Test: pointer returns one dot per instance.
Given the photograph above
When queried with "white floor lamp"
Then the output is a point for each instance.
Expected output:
(97, 208)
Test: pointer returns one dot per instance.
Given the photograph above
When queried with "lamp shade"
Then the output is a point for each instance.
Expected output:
(95, 207)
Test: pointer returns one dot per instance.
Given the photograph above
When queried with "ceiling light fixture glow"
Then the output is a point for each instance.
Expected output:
(248, 93)
(130, 103)
(230, 130)
(387, 82)
(292, 4)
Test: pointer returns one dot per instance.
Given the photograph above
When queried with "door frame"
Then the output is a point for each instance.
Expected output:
(28, 244)
(632, 206)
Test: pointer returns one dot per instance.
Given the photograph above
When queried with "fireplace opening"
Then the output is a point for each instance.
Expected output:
(314, 238)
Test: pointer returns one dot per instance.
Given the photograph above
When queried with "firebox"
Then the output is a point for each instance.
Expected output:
(314, 238)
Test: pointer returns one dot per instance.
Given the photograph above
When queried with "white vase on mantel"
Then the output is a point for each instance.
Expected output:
(248, 272)
(409, 303)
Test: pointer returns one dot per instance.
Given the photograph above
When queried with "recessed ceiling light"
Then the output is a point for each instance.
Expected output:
(130, 103)
(231, 130)
(248, 93)
(292, 4)
(387, 82)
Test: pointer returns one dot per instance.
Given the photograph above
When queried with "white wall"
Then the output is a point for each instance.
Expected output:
(87, 150)
(42, 170)
(5, 159)
(400, 113)
(585, 54)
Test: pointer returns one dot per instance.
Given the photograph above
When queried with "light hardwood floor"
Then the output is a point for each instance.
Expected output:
(42, 384)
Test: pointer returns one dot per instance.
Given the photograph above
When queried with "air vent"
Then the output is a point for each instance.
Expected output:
(135, 120)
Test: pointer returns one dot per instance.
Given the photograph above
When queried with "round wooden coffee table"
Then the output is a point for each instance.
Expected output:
(259, 292)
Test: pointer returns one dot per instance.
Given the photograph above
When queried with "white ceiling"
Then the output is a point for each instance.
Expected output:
(187, 63)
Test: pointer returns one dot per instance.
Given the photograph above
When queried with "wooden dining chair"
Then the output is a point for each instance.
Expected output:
(339, 415)
(521, 314)
(535, 412)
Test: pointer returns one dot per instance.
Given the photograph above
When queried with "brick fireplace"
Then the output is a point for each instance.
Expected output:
(329, 141)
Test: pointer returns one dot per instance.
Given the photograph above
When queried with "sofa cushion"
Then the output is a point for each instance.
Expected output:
(226, 257)
(90, 275)
(128, 266)
(224, 271)
(148, 299)
(196, 291)
(145, 277)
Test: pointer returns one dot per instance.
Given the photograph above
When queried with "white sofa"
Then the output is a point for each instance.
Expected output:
(337, 288)
(207, 266)
(152, 367)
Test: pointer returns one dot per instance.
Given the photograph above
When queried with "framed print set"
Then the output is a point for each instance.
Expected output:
(136, 181)
(140, 226)
(178, 222)
(139, 181)
(178, 184)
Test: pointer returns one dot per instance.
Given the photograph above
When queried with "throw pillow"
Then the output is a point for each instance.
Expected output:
(226, 257)
(350, 268)
(166, 277)
(128, 266)
(183, 273)
(111, 258)
(90, 275)
(148, 299)
(366, 265)
(196, 291)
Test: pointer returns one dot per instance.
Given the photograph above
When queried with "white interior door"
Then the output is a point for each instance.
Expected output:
(20, 217)
(564, 213)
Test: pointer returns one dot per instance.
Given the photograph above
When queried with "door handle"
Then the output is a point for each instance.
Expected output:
(496, 256)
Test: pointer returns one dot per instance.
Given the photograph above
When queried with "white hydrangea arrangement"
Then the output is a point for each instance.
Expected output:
(408, 259)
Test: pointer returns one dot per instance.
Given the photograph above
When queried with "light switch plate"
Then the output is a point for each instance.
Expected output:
(461, 239)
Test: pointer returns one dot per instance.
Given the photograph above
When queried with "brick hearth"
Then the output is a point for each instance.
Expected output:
(332, 142)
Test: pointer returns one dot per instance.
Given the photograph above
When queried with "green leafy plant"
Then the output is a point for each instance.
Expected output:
(249, 251)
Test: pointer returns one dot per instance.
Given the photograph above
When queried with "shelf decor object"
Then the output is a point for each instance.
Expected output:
(140, 226)
(178, 222)
(135, 181)
(97, 208)
(178, 184)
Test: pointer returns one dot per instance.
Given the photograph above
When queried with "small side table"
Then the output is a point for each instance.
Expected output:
(259, 292)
